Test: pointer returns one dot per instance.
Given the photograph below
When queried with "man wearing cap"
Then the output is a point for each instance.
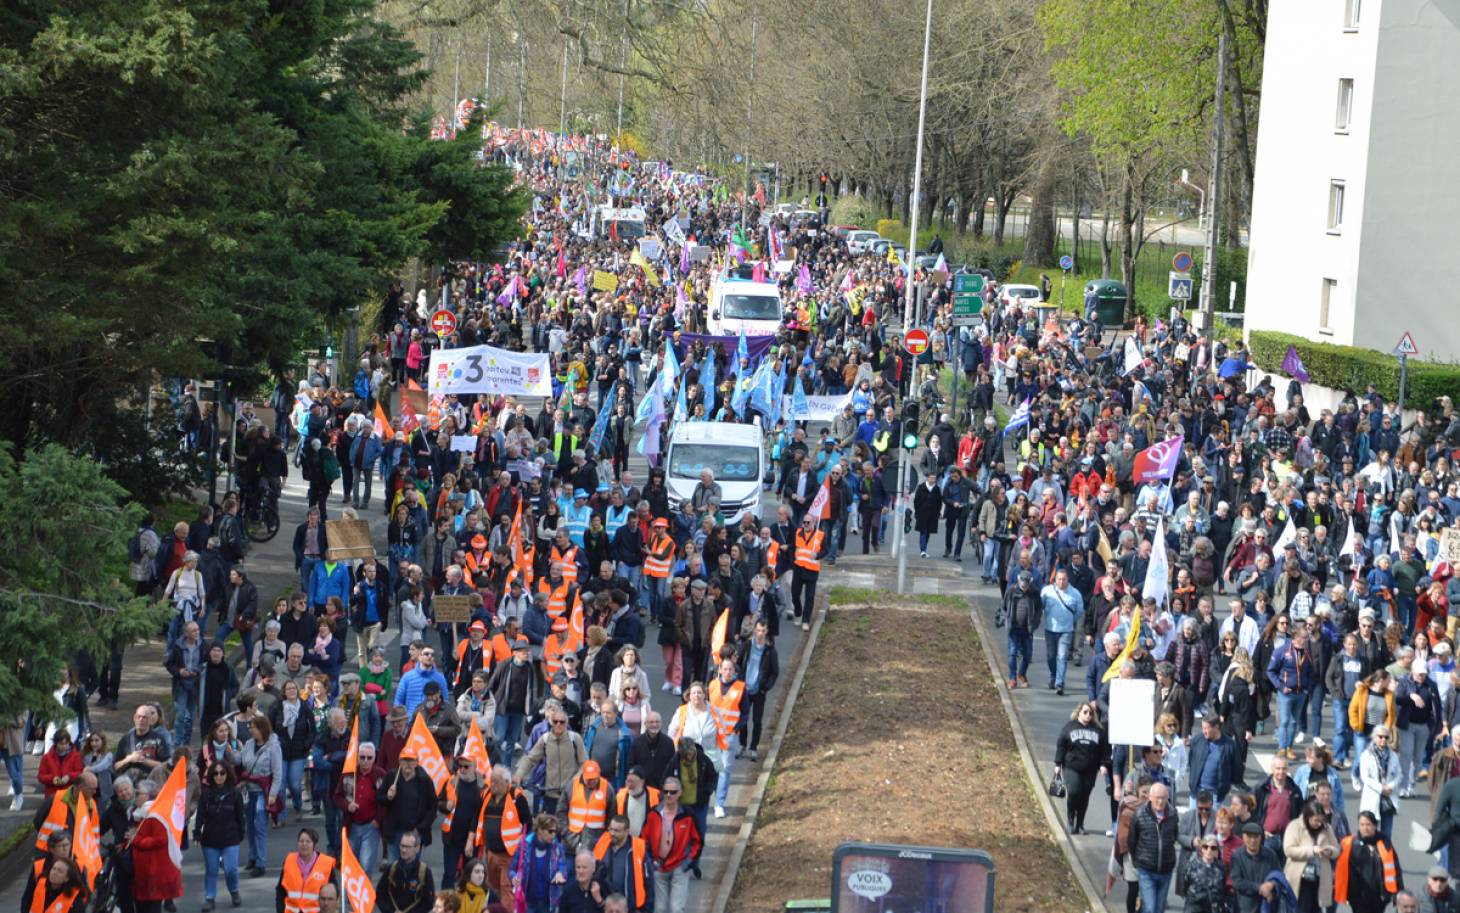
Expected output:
(441, 719)
(1250, 867)
(575, 524)
(586, 799)
(512, 688)
(561, 642)
(811, 545)
(658, 562)
(473, 654)
(561, 593)
(1438, 895)
(409, 802)
(694, 621)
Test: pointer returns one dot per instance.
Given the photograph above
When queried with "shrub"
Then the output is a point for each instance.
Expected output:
(1353, 368)
(853, 209)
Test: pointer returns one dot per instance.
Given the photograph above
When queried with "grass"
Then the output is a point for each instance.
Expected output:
(852, 595)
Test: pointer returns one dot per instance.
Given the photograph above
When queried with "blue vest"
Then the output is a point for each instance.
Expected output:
(616, 518)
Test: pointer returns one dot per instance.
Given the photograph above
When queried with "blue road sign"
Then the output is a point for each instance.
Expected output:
(1067, 263)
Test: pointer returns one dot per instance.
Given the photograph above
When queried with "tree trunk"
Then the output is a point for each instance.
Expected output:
(1127, 231)
(1105, 246)
(1001, 218)
(1040, 234)
(978, 213)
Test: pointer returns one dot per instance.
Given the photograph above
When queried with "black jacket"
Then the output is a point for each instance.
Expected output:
(382, 600)
(299, 543)
(245, 606)
(770, 665)
(1153, 843)
(414, 806)
(655, 754)
(220, 817)
(395, 894)
(294, 745)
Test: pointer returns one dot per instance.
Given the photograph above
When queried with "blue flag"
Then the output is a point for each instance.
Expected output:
(778, 393)
(707, 376)
(649, 444)
(761, 385)
(646, 405)
(742, 351)
(681, 402)
(600, 427)
(1019, 419)
(800, 406)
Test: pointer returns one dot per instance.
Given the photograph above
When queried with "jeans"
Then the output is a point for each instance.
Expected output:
(754, 710)
(955, 529)
(1289, 708)
(923, 542)
(15, 767)
(228, 857)
(633, 575)
(507, 732)
(837, 533)
(722, 785)
(991, 558)
(1154, 891)
(1412, 744)
(184, 705)
(701, 814)
(1057, 654)
(294, 781)
(1316, 700)
(368, 477)
(1407, 607)
(671, 890)
(306, 570)
(365, 841)
(1343, 736)
(1021, 650)
(257, 818)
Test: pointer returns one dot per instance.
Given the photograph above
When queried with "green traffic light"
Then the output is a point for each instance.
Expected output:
(910, 441)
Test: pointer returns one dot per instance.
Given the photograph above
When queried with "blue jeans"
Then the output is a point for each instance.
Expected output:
(15, 767)
(184, 705)
(507, 732)
(834, 537)
(701, 815)
(1289, 708)
(257, 818)
(246, 638)
(633, 575)
(1057, 654)
(294, 781)
(1408, 608)
(1316, 699)
(1343, 736)
(1021, 650)
(1154, 891)
(365, 841)
(923, 542)
(722, 785)
(991, 558)
(228, 857)
(306, 570)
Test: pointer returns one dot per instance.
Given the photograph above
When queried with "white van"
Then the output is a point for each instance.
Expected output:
(627, 222)
(732, 452)
(744, 302)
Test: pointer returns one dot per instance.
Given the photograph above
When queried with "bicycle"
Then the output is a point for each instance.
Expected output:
(261, 517)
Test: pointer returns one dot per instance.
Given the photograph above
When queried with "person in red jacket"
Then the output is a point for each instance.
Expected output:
(673, 839)
(60, 766)
(155, 879)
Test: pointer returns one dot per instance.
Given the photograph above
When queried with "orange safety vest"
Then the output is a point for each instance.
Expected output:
(475, 565)
(501, 649)
(558, 597)
(58, 817)
(511, 824)
(621, 799)
(727, 702)
(772, 554)
(461, 649)
(301, 895)
(639, 848)
(1340, 870)
(657, 564)
(552, 653)
(588, 810)
(568, 560)
(62, 902)
(808, 550)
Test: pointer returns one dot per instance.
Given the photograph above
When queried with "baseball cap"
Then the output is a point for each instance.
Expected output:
(560, 624)
(521, 643)
(590, 770)
(478, 625)
(661, 523)
(1439, 871)
(1252, 827)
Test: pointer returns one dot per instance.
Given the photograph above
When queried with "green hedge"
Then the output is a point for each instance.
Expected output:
(1352, 368)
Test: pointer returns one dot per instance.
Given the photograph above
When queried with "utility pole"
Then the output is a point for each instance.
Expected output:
(749, 111)
(1212, 200)
(563, 98)
(903, 464)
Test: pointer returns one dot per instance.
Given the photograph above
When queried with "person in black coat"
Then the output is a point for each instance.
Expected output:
(219, 829)
(219, 685)
(410, 804)
(927, 510)
(652, 751)
(758, 681)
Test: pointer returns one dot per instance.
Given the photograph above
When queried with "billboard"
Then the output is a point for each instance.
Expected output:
(882, 878)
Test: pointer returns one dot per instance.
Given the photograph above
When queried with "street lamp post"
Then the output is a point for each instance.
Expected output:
(903, 464)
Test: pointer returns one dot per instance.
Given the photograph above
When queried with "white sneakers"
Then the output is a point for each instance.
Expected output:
(719, 811)
(17, 803)
(666, 686)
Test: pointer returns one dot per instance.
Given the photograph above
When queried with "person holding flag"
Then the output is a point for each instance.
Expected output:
(505, 815)
(157, 847)
(358, 796)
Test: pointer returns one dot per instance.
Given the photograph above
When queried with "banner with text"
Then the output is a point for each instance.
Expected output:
(484, 369)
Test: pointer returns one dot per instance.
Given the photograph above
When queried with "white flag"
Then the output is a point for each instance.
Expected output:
(1133, 355)
(1289, 534)
(1348, 549)
(1159, 570)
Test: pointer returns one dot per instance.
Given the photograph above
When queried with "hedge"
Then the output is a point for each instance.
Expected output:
(1353, 368)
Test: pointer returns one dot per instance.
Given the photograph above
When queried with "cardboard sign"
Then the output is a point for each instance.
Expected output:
(452, 609)
(1132, 711)
(699, 253)
(348, 539)
(1449, 546)
(605, 282)
(651, 248)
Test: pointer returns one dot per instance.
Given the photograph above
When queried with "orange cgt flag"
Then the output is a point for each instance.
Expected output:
(476, 747)
(382, 424)
(351, 761)
(171, 808)
(359, 892)
(423, 746)
(717, 637)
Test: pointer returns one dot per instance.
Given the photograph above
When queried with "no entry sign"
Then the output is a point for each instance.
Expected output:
(916, 342)
(443, 323)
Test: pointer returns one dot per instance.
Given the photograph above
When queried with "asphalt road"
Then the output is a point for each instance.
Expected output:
(271, 567)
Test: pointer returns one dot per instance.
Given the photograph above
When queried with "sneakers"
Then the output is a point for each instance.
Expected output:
(790, 615)
(17, 803)
(719, 811)
(806, 626)
(666, 686)
(1023, 682)
(754, 755)
(1013, 684)
(208, 905)
(922, 554)
(1301, 738)
(236, 897)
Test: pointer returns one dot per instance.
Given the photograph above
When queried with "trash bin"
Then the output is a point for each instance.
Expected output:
(1109, 300)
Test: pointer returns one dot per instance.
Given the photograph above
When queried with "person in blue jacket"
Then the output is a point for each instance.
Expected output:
(365, 452)
(1293, 672)
(412, 688)
(330, 578)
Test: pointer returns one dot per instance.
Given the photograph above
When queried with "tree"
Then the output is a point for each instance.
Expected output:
(64, 549)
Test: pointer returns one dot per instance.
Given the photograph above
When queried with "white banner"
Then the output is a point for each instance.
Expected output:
(484, 369)
(651, 247)
(819, 408)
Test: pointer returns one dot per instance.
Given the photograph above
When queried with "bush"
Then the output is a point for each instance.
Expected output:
(1353, 368)
(853, 209)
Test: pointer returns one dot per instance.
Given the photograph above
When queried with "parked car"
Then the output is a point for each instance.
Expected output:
(1022, 295)
(861, 241)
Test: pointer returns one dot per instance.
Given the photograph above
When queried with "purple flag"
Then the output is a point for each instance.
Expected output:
(580, 279)
(803, 281)
(1293, 365)
(508, 294)
(684, 258)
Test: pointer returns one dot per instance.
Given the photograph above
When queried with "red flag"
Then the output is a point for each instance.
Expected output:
(1158, 461)
(562, 264)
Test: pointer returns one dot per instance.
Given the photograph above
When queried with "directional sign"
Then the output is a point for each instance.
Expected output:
(916, 342)
(967, 300)
(1179, 286)
(1067, 263)
(1406, 346)
(443, 323)
(1181, 263)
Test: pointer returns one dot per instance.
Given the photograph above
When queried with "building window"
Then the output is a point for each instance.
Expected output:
(1345, 105)
(1324, 303)
(1351, 14)
(1335, 207)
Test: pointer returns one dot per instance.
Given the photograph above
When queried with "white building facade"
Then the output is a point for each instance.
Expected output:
(1355, 233)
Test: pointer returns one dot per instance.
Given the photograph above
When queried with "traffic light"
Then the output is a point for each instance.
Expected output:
(910, 412)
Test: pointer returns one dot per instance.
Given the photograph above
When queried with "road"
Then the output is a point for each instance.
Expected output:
(271, 567)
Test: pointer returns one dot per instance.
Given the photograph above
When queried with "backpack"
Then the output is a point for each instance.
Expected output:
(134, 547)
(329, 465)
(231, 535)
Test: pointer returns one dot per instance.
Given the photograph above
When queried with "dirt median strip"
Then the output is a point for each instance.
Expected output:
(898, 736)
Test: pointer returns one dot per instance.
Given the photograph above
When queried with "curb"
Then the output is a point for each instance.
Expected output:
(1031, 769)
(783, 722)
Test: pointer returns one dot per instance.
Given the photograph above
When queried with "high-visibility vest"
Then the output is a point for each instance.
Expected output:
(433, 415)
(621, 799)
(450, 790)
(569, 562)
(808, 550)
(301, 895)
(58, 817)
(1340, 870)
(659, 558)
(558, 597)
(772, 554)
(585, 809)
(727, 701)
(501, 649)
(62, 902)
(461, 670)
(639, 848)
(475, 565)
(511, 823)
(552, 653)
